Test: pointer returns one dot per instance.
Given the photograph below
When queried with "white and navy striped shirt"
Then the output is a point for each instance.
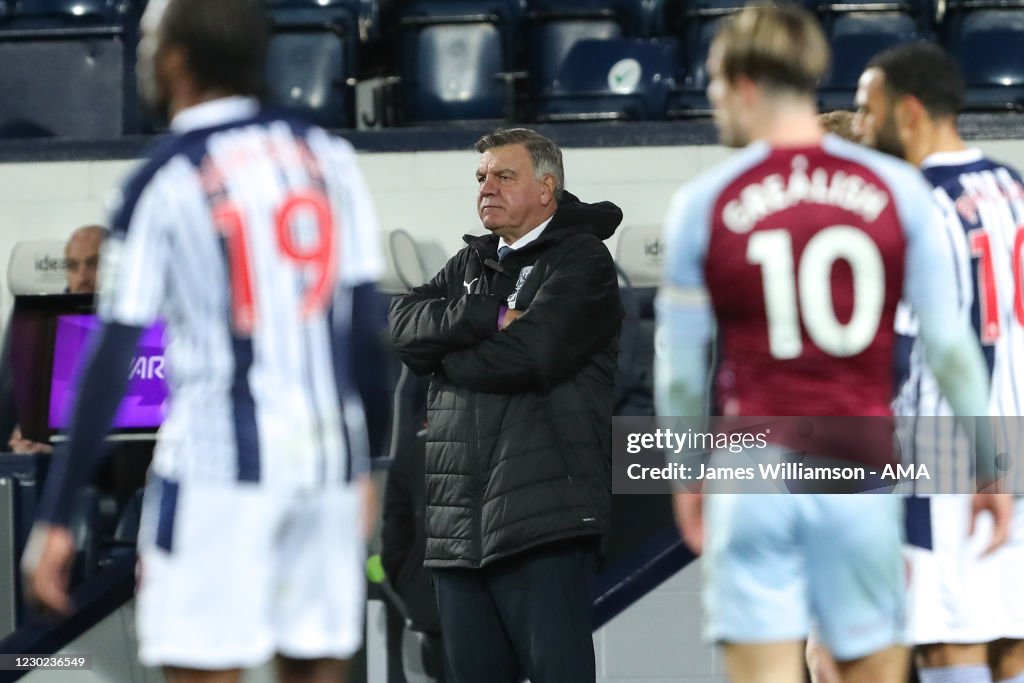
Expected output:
(982, 203)
(246, 232)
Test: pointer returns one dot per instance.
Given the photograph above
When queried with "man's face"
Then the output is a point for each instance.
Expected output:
(511, 202)
(875, 121)
(725, 101)
(82, 255)
(149, 75)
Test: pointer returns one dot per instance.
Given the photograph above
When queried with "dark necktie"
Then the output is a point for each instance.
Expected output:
(503, 251)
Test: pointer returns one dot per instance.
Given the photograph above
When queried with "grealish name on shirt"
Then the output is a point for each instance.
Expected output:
(775, 193)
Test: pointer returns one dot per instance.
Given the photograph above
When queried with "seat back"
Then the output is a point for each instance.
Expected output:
(987, 44)
(68, 69)
(450, 68)
(640, 258)
(37, 267)
(620, 78)
(856, 37)
(640, 253)
(312, 60)
(69, 13)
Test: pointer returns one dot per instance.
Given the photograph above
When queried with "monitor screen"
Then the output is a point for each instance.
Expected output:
(47, 344)
(144, 404)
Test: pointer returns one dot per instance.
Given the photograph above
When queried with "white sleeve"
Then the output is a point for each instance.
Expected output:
(685, 321)
(931, 287)
(361, 257)
(134, 260)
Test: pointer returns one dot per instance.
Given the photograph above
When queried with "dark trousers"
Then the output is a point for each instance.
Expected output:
(530, 616)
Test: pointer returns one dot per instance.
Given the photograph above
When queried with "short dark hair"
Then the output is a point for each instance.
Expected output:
(779, 47)
(544, 153)
(925, 71)
(225, 42)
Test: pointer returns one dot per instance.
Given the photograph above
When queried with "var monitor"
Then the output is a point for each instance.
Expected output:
(49, 342)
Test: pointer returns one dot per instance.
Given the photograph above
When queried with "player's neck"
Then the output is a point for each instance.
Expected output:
(943, 137)
(187, 96)
(787, 122)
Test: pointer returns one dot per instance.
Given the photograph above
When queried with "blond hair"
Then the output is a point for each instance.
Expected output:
(779, 47)
(838, 122)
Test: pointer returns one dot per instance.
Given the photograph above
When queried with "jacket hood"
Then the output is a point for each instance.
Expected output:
(599, 219)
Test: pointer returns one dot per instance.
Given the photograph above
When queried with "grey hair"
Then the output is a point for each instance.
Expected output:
(545, 154)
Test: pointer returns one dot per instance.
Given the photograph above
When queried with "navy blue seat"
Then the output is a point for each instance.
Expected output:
(312, 59)
(69, 13)
(123, 539)
(923, 11)
(453, 62)
(613, 79)
(987, 44)
(84, 525)
(855, 38)
(554, 27)
(68, 69)
(697, 32)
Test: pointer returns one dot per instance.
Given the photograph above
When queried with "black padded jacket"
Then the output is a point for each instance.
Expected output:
(519, 421)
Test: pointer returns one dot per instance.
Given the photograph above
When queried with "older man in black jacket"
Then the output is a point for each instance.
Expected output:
(520, 332)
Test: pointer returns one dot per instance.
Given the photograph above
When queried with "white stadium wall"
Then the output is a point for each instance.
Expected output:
(430, 194)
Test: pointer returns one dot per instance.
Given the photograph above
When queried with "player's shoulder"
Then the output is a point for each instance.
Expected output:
(313, 133)
(698, 196)
(942, 167)
(124, 201)
(905, 184)
(892, 170)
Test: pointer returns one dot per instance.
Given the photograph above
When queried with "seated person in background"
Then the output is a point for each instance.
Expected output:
(82, 257)
(838, 122)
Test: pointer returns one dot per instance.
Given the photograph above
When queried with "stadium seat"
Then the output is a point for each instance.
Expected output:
(312, 59)
(454, 62)
(639, 256)
(84, 524)
(610, 79)
(855, 38)
(553, 28)
(987, 44)
(922, 10)
(68, 69)
(37, 267)
(70, 13)
(126, 531)
(414, 262)
(697, 31)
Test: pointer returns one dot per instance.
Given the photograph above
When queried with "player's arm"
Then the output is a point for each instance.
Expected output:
(100, 390)
(426, 324)
(684, 318)
(951, 347)
(358, 320)
(683, 335)
(681, 351)
(574, 312)
(366, 365)
(135, 259)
